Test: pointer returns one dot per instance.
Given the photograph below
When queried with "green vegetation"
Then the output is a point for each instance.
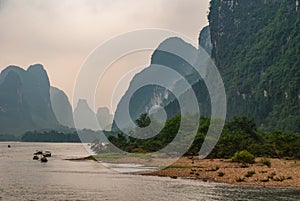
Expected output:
(243, 157)
(250, 173)
(118, 156)
(50, 136)
(256, 49)
(266, 162)
(241, 134)
(238, 135)
(8, 138)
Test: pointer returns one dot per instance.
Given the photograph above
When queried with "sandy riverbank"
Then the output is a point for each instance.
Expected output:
(282, 173)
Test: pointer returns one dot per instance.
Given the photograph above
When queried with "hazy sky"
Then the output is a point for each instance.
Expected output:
(60, 34)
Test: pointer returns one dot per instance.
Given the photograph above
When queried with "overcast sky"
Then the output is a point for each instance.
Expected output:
(60, 34)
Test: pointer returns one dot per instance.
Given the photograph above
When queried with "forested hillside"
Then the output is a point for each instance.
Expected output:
(256, 46)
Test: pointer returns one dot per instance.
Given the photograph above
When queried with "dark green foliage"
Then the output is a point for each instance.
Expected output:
(266, 162)
(8, 138)
(156, 143)
(256, 47)
(238, 135)
(143, 121)
(243, 157)
(51, 136)
(141, 100)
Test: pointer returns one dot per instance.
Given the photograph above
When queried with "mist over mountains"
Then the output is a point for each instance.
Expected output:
(28, 103)
(255, 46)
(61, 107)
(25, 100)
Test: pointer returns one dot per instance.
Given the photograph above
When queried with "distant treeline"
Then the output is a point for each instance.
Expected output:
(49, 136)
(239, 134)
(6, 137)
(67, 135)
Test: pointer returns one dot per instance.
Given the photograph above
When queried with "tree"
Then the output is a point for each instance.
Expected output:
(143, 121)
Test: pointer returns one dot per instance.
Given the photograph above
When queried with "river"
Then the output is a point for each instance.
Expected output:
(22, 178)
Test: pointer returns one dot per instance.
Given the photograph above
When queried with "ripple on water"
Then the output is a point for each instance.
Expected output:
(25, 179)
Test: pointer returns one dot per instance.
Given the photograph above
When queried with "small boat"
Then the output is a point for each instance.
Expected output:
(47, 154)
(9, 146)
(44, 159)
(38, 152)
(35, 157)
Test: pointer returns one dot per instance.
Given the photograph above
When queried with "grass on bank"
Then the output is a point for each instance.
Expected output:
(119, 156)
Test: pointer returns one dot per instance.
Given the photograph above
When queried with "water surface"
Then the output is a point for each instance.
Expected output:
(22, 178)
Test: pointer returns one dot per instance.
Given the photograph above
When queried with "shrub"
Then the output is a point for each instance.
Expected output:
(266, 162)
(221, 174)
(243, 157)
(239, 179)
(250, 174)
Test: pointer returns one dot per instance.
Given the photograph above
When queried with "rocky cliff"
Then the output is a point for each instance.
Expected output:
(174, 55)
(61, 107)
(256, 46)
(25, 100)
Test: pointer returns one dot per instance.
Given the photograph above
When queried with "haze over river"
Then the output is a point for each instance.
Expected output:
(22, 178)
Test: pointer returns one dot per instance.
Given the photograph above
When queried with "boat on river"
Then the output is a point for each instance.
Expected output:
(44, 159)
(47, 154)
(38, 152)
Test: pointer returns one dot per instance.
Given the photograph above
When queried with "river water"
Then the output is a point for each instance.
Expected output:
(22, 178)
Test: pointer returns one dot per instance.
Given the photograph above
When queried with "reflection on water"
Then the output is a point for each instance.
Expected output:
(25, 179)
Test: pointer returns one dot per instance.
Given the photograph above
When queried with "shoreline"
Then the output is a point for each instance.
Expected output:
(231, 173)
(282, 172)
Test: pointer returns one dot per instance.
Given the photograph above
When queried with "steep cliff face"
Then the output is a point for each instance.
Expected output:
(61, 107)
(142, 98)
(256, 46)
(205, 40)
(25, 100)
(198, 85)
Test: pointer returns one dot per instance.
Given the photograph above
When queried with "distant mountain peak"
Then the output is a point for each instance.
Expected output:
(36, 67)
(84, 116)
(24, 95)
(61, 107)
(82, 103)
